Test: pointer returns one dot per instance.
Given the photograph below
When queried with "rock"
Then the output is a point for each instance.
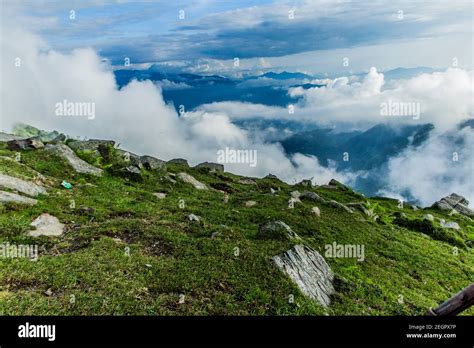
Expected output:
(312, 196)
(428, 217)
(360, 207)
(131, 172)
(61, 138)
(46, 225)
(90, 145)
(450, 224)
(168, 179)
(152, 163)
(272, 191)
(25, 144)
(9, 197)
(26, 187)
(247, 181)
(456, 202)
(78, 164)
(414, 207)
(339, 185)
(5, 137)
(295, 194)
(308, 269)
(276, 230)
(271, 176)
(305, 183)
(250, 203)
(159, 195)
(222, 186)
(180, 161)
(340, 206)
(191, 180)
(192, 217)
(316, 211)
(213, 167)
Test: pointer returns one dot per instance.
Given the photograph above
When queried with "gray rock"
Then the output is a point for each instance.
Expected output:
(46, 225)
(131, 172)
(159, 195)
(61, 138)
(78, 164)
(312, 196)
(271, 176)
(428, 217)
(250, 203)
(180, 161)
(213, 167)
(276, 230)
(247, 181)
(450, 224)
(152, 163)
(191, 180)
(295, 194)
(308, 269)
(90, 145)
(456, 202)
(193, 217)
(34, 143)
(5, 137)
(26, 187)
(305, 183)
(338, 185)
(340, 206)
(316, 211)
(9, 197)
(360, 207)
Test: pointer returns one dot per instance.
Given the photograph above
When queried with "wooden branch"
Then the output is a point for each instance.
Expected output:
(456, 304)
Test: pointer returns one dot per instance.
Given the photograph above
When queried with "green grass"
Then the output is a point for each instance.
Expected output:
(134, 254)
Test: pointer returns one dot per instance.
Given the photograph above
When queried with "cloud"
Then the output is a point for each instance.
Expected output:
(135, 116)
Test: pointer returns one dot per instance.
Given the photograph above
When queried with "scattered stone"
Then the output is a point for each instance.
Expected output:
(26, 187)
(193, 217)
(308, 269)
(168, 179)
(340, 206)
(272, 191)
(9, 197)
(131, 172)
(450, 224)
(360, 207)
(276, 230)
(214, 235)
(295, 194)
(159, 195)
(316, 211)
(191, 180)
(78, 164)
(213, 167)
(180, 161)
(152, 163)
(25, 144)
(90, 145)
(226, 198)
(312, 196)
(61, 138)
(250, 203)
(222, 186)
(247, 181)
(456, 202)
(428, 217)
(46, 225)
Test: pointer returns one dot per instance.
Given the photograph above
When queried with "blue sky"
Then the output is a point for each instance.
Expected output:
(386, 34)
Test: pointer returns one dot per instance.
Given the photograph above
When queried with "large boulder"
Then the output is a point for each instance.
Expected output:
(179, 161)
(312, 196)
(185, 177)
(34, 143)
(276, 230)
(46, 225)
(9, 197)
(456, 202)
(308, 269)
(90, 145)
(78, 164)
(152, 163)
(213, 167)
(26, 187)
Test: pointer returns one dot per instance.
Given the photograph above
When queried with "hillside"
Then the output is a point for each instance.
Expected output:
(138, 238)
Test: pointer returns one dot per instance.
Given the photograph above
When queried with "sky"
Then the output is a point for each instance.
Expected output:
(73, 59)
(315, 36)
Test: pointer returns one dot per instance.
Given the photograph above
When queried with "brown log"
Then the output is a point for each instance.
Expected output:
(456, 304)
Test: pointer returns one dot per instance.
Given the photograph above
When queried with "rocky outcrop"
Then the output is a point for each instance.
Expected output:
(185, 177)
(276, 230)
(360, 207)
(341, 206)
(78, 164)
(247, 181)
(152, 163)
(34, 143)
(90, 145)
(179, 161)
(456, 202)
(308, 269)
(312, 196)
(9, 197)
(46, 225)
(26, 187)
(5, 137)
(213, 167)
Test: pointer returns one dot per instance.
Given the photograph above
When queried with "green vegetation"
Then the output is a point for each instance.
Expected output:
(125, 251)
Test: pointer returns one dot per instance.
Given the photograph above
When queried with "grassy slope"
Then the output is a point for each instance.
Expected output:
(170, 255)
